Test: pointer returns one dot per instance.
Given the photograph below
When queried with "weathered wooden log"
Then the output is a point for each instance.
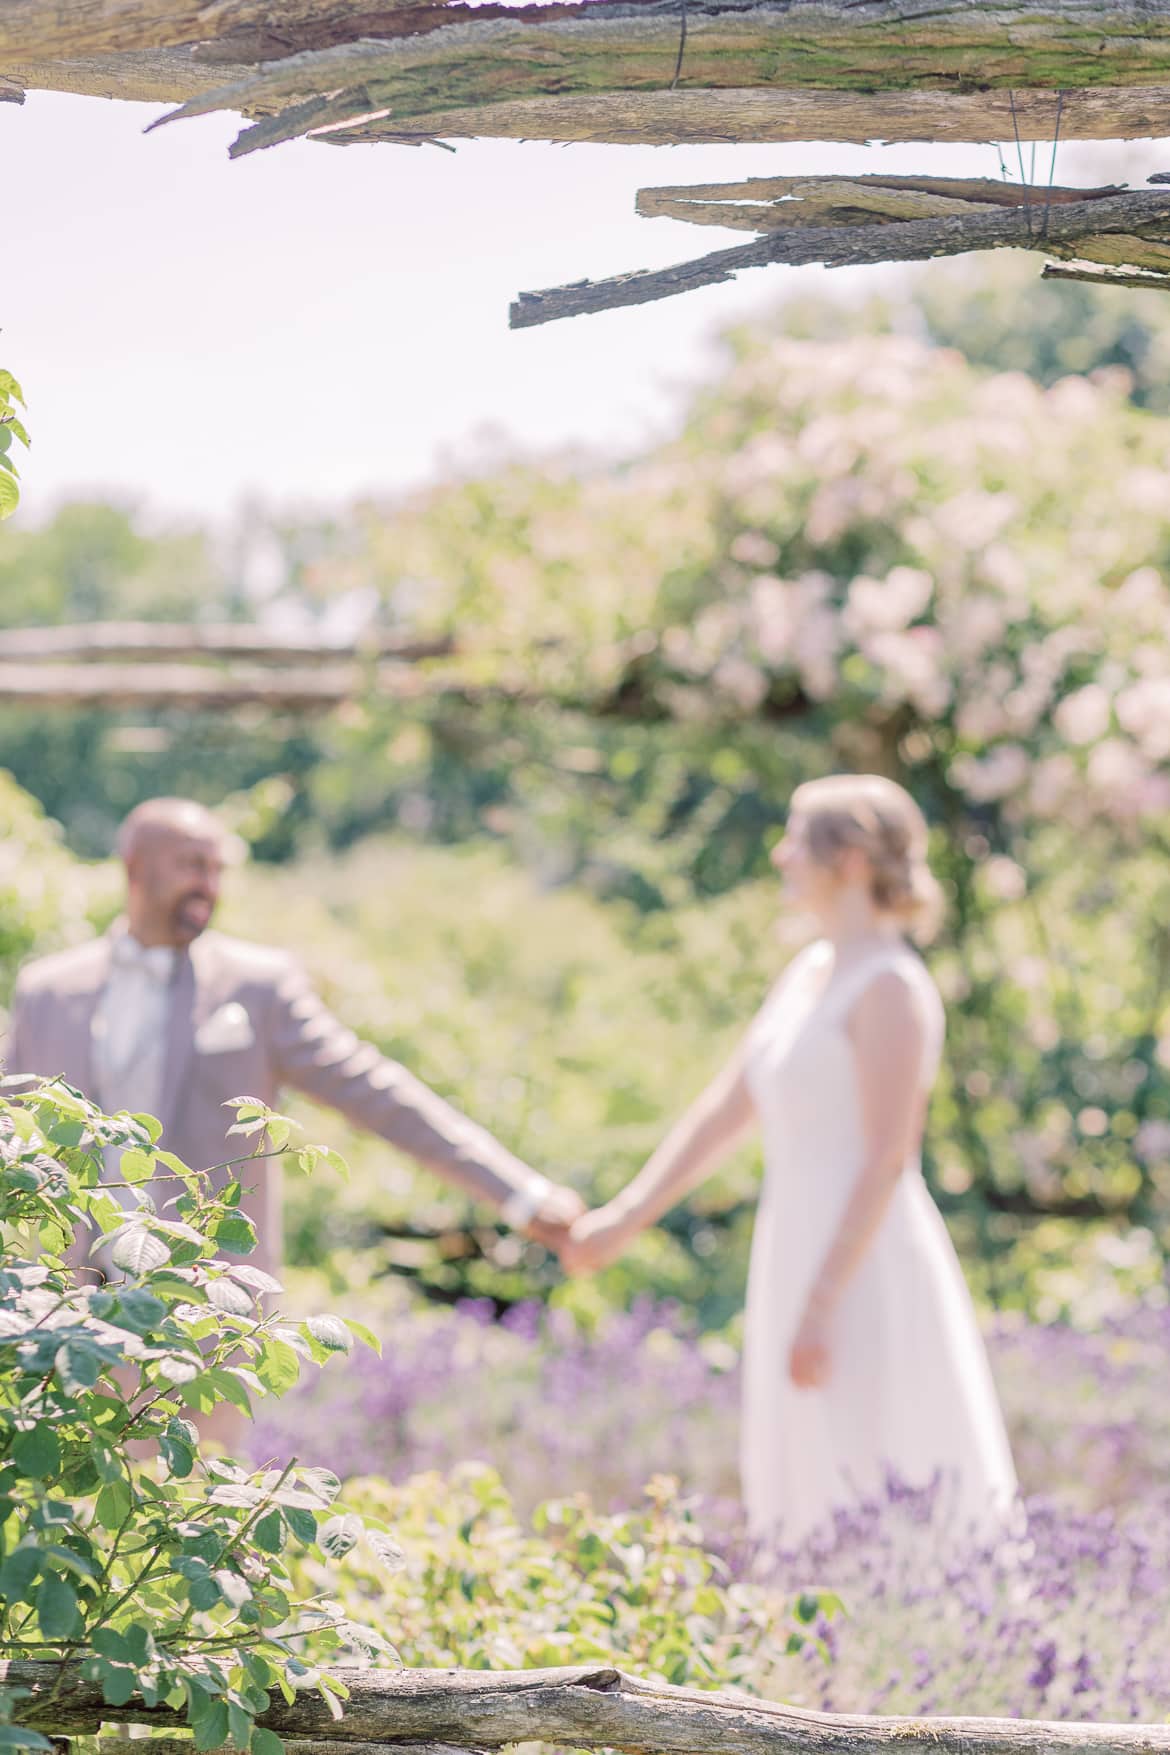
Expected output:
(587, 1708)
(614, 45)
(766, 204)
(688, 116)
(294, 1745)
(208, 687)
(237, 640)
(852, 246)
(1105, 276)
(602, 70)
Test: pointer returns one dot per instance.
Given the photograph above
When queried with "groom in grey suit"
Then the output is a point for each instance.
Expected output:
(166, 1017)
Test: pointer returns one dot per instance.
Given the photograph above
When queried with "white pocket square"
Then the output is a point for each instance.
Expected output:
(226, 1031)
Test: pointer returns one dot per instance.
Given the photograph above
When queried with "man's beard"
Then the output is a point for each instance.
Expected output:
(192, 916)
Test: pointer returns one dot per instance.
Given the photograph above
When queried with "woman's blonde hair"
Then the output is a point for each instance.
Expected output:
(880, 817)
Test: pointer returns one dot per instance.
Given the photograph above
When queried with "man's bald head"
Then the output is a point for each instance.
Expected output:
(174, 852)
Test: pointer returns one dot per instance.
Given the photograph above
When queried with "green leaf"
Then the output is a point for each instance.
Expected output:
(386, 1550)
(119, 1684)
(366, 1335)
(139, 1310)
(338, 1535)
(139, 1251)
(178, 1368)
(211, 1725)
(265, 1742)
(203, 1593)
(278, 1366)
(302, 1523)
(330, 1331)
(268, 1532)
(20, 1737)
(136, 1167)
(37, 1452)
(56, 1606)
(109, 1643)
(227, 1385)
(9, 496)
(113, 1505)
(239, 1725)
(227, 1296)
(79, 1366)
(179, 1457)
(17, 1574)
(236, 1233)
(234, 1589)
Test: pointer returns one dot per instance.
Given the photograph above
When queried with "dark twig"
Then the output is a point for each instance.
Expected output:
(1052, 166)
(1020, 156)
(682, 43)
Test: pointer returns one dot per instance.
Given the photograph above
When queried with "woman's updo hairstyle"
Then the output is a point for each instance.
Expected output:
(880, 817)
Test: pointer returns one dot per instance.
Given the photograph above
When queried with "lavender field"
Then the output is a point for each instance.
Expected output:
(1066, 1620)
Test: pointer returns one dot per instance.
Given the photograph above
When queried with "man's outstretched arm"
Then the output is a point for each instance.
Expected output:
(313, 1051)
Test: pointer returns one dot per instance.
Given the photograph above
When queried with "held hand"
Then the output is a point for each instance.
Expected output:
(551, 1222)
(594, 1241)
(810, 1361)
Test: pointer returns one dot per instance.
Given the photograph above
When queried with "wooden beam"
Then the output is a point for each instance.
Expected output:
(128, 641)
(602, 69)
(1106, 277)
(187, 687)
(701, 117)
(768, 204)
(585, 1708)
(612, 46)
(851, 246)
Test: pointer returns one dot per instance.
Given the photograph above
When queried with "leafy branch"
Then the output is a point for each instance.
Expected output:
(11, 427)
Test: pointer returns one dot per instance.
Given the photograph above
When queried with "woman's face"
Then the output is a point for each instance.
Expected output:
(804, 881)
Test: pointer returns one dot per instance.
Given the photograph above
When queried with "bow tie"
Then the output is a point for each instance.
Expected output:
(155, 961)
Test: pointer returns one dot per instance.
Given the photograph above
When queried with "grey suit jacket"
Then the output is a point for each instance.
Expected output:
(244, 1020)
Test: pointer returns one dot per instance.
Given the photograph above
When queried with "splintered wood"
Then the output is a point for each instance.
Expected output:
(847, 222)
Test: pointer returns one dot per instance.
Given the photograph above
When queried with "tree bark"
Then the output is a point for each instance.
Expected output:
(851, 246)
(602, 70)
(590, 1708)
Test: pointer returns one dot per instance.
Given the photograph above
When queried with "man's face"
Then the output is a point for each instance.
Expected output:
(176, 879)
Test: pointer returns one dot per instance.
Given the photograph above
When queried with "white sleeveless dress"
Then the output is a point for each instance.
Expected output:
(910, 1395)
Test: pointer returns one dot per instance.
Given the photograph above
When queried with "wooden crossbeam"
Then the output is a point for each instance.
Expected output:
(578, 1708)
(604, 69)
(156, 687)
(127, 641)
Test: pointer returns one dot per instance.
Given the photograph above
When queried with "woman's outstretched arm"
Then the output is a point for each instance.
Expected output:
(695, 1146)
(887, 1031)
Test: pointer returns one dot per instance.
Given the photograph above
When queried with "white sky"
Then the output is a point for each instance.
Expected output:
(312, 322)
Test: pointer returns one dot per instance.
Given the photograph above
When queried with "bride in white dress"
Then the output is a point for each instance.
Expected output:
(862, 1357)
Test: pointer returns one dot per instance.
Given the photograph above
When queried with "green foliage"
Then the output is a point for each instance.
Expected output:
(12, 429)
(171, 1581)
(44, 892)
(474, 1586)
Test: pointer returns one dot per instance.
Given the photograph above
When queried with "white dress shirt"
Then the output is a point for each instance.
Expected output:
(130, 1026)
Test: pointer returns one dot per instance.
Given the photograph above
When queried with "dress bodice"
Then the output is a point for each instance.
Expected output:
(801, 1068)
